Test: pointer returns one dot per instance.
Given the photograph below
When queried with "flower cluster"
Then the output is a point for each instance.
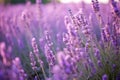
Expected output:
(96, 5)
(10, 68)
(84, 57)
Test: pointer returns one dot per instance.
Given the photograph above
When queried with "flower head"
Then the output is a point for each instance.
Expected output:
(105, 77)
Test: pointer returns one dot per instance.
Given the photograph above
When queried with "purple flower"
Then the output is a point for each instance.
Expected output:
(50, 56)
(58, 73)
(92, 66)
(105, 77)
(97, 54)
(95, 5)
(33, 62)
(113, 67)
(116, 10)
(48, 39)
(104, 38)
(36, 51)
(99, 63)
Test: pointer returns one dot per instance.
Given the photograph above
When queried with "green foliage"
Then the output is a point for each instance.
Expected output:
(16, 1)
(22, 1)
(45, 1)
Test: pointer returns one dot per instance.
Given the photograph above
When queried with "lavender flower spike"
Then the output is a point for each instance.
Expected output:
(115, 7)
(95, 5)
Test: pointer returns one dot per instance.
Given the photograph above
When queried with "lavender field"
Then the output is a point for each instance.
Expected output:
(58, 41)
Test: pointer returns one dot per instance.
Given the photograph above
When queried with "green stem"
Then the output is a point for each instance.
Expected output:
(37, 74)
(43, 72)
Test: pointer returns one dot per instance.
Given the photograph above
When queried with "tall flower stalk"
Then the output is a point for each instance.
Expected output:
(36, 52)
(33, 63)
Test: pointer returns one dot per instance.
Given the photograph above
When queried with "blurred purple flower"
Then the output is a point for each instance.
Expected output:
(105, 77)
(33, 62)
(50, 56)
(104, 38)
(36, 51)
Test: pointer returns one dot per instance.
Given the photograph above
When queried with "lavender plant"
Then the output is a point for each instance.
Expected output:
(10, 68)
(78, 55)
(84, 57)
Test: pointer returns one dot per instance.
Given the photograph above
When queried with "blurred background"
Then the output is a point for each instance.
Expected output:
(47, 1)
(20, 1)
